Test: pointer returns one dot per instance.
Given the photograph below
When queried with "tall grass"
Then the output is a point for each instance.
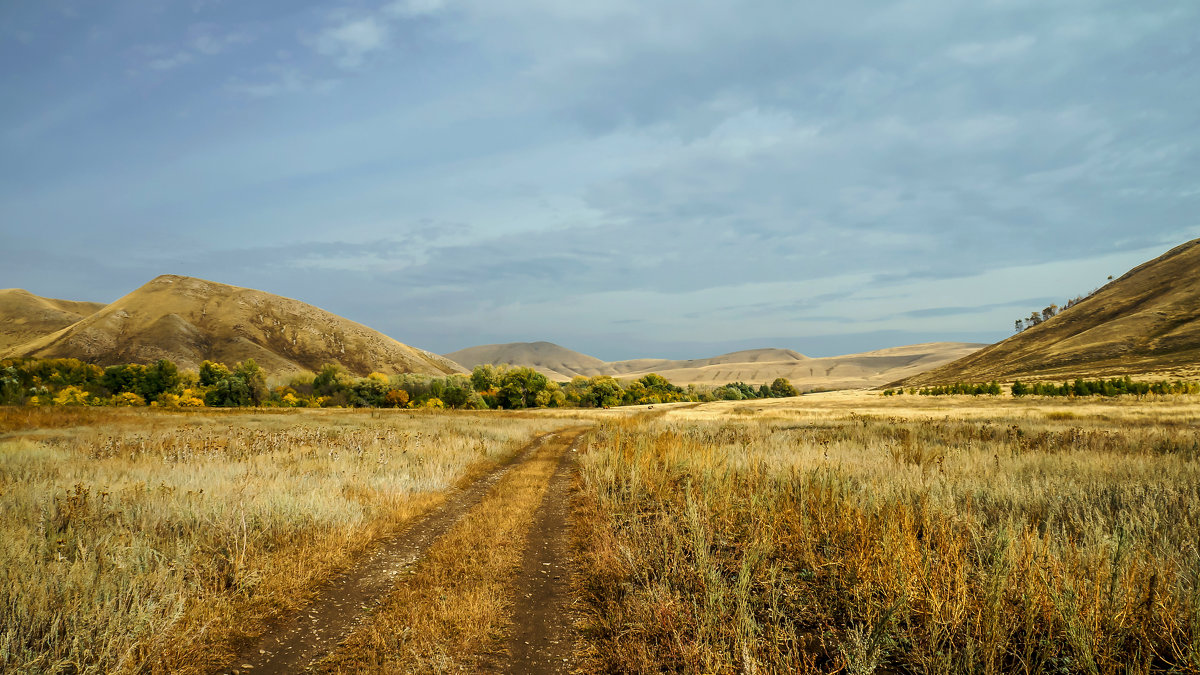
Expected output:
(158, 542)
(1009, 542)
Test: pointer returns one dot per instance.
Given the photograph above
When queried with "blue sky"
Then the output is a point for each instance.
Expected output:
(624, 178)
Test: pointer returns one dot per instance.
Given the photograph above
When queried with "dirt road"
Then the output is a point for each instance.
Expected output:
(342, 604)
(542, 639)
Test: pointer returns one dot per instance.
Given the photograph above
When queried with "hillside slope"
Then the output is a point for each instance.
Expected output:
(1146, 322)
(25, 316)
(752, 366)
(554, 361)
(189, 320)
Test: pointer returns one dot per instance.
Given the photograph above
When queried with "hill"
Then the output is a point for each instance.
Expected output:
(752, 366)
(554, 361)
(189, 320)
(25, 316)
(1145, 323)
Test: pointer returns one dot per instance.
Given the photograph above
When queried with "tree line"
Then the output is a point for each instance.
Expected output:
(71, 382)
(1123, 386)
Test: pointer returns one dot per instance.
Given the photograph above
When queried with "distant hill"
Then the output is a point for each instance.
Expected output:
(556, 362)
(189, 320)
(751, 366)
(25, 316)
(1146, 322)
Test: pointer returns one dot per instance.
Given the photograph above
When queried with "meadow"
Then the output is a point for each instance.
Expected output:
(865, 535)
(837, 532)
(152, 541)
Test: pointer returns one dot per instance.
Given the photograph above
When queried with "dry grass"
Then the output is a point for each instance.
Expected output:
(451, 612)
(147, 541)
(849, 533)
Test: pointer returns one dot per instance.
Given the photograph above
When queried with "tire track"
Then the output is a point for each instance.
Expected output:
(543, 637)
(340, 606)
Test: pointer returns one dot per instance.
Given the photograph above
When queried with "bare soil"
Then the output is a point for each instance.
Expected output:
(542, 640)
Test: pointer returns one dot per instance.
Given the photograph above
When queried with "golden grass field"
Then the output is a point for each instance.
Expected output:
(138, 541)
(839, 532)
(847, 533)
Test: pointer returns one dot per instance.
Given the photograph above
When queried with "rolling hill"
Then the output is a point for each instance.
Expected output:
(25, 316)
(1145, 323)
(188, 320)
(752, 366)
(558, 363)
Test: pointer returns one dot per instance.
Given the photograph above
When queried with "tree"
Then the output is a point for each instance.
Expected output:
(229, 392)
(604, 391)
(396, 398)
(119, 379)
(255, 379)
(212, 373)
(158, 379)
(71, 395)
(520, 386)
(329, 381)
(457, 391)
(782, 388)
(484, 377)
(1019, 325)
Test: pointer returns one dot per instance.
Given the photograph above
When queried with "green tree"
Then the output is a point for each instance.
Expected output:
(782, 388)
(484, 377)
(255, 379)
(331, 380)
(604, 391)
(159, 378)
(228, 392)
(520, 386)
(212, 372)
(122, 378)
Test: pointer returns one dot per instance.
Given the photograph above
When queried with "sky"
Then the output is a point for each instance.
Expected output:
(625, 178)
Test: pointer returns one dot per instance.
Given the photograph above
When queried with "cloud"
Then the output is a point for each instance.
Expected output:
(171, 62)
(414, 8)
(204, 41)
(996, 51)
(210, 44)
(349, 42)
(278, 80)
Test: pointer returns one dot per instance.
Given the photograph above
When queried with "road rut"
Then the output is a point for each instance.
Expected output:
(339, 607)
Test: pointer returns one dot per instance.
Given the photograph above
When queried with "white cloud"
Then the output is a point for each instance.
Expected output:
(414, 8)
(170, 62)
(350, 42)
(988, 53)
(210, 45)
(280, 81)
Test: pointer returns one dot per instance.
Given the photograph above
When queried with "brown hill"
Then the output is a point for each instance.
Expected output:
(554, 361)
(25, 316)
(755, 366)
(1145, 323)
(189, 320)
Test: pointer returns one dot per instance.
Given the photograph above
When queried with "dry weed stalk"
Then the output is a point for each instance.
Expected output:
(808, 540)
(135, 541)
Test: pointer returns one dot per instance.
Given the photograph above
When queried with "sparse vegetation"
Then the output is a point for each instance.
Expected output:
(1050, 312)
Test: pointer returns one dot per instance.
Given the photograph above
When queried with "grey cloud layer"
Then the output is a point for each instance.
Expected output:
(461, 158)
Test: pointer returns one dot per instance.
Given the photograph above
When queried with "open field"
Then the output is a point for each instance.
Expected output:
(845, 532)
(134, 540)
(835, 532)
